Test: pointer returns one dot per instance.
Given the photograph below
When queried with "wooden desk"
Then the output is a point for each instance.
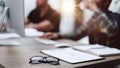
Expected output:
(18, 56)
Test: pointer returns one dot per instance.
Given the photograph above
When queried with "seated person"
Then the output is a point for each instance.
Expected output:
(103, 28)
(43, 17)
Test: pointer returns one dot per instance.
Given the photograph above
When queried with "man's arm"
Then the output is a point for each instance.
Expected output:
(104, 23)
(107, 25)
(45, 26)
(54, 36)
(27, 21)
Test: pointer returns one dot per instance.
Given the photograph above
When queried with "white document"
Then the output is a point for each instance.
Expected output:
(31, 32)
(84, 40)
(88, 47)
(98, 50)
(10, 42)
(9, 35)
(62, 45)
(106, 51)
(46, 41)
(52, 42)
(69, 55)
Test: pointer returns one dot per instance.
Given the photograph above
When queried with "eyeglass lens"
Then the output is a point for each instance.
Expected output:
(40, 59)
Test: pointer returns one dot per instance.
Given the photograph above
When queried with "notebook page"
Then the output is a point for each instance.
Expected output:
(70, 55)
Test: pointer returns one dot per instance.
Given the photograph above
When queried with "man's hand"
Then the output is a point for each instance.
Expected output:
(90, 4)
(50, 35)
(4, 27)
(44, 26)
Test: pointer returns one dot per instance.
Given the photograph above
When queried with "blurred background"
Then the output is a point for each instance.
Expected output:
(55, 4)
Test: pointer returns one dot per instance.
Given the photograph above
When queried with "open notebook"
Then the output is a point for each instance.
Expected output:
(98, 50)
(70, 55)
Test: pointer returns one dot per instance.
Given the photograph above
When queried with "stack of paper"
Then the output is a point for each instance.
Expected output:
(10, 42)
(31, 32)
(98, 50)
(46, 41)
(9, 35)
(62, 45)
(69, 55)
(84, 40)
(52, 42)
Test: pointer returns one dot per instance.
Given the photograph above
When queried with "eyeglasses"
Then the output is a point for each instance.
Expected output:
(41, 59)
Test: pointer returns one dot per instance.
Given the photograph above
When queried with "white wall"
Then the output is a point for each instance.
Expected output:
(55, 4)
(28, 6)
(115, 6)
(31, 4)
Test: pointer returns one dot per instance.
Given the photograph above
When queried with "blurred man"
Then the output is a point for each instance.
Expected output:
(103, 28)
(43, 17)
